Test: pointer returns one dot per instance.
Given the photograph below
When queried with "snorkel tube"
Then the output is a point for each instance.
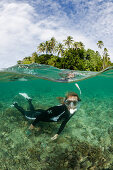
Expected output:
(78, 105)
(78, 88)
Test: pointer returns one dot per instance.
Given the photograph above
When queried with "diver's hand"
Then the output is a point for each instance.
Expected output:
(31, 127)
(54, 137)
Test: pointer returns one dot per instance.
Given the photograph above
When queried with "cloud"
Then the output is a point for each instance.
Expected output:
(24, 24)
(95, 20)
(21, 30)
(15, 32)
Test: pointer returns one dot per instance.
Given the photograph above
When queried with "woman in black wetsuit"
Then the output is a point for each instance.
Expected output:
(54, 114)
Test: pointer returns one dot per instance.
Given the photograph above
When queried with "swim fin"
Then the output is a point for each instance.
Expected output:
(25, 95)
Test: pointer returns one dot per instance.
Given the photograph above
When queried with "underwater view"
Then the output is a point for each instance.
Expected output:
(87, 139)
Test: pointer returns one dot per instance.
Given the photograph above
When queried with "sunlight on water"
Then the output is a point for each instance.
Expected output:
(92, 125)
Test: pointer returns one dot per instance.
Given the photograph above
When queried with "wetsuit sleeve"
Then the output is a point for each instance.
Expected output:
(63, 125)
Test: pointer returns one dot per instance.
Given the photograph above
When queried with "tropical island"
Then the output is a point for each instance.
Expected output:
(69, 55)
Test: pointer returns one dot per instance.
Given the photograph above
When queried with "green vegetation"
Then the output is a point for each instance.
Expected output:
(69, 55)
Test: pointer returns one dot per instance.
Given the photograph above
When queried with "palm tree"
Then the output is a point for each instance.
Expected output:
(60, 49)
(47, 47)
(80, 45)
(77, 45)
(100, 44)
(105, 58)
(41, 48)
(68, 41)
(105, 50)
(34, 57)
(52, 44)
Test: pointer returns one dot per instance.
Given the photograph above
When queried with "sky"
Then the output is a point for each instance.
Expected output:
(26, 23)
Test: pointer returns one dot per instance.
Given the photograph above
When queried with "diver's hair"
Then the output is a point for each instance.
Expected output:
(62, 99)
(72, 94)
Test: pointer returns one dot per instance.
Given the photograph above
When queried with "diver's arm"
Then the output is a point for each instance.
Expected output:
(63, 125)
(60, 129)
(29, 130)
(38, 118)
(31, 127)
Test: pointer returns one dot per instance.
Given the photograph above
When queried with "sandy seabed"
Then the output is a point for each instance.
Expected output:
(85, 143)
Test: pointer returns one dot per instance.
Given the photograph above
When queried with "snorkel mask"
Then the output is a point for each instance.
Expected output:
(71, 105)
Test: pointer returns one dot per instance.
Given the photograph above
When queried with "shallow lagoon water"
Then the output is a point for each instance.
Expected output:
(87, 140)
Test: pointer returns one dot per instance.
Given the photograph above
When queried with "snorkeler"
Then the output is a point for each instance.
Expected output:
(54, 114)
(67, 76)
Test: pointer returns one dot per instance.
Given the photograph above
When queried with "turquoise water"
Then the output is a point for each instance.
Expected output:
(91, 126)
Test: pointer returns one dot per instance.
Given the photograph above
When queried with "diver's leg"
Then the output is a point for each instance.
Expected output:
(29, 115)
(19, 108)
(38, 118)
(40, 115)
(31, 107)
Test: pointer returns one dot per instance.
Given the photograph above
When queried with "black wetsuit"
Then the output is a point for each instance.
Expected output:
(53, 114)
